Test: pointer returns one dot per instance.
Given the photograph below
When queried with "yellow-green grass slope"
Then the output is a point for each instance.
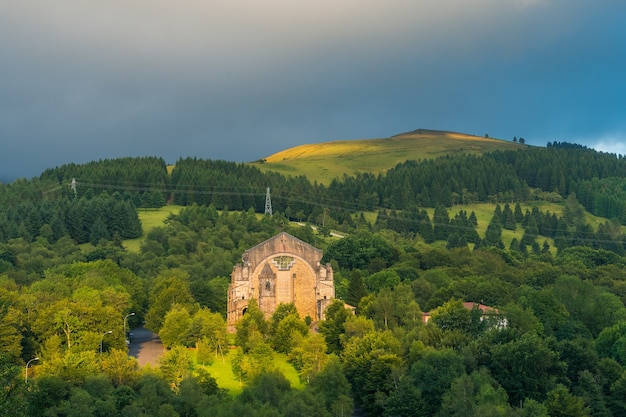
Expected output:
(150, 218)
(322, 162)
(484, 213)
(222, 371)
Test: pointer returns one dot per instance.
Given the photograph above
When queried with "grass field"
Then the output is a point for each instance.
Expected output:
(322, 162)
(150, 218)
(223, 373)
(484, 211)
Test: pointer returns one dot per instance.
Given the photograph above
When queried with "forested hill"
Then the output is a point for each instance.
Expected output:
(449, 320)
(498, 176)
(552, 174)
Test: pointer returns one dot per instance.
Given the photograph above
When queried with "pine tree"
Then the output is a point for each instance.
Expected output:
(425, 227)
(530, 233)
(508, 218)
(472, 218)
(356, 288)
(493, 235)
(562, 236)
(497, 213)
(98, 232)
(456, 239)
(441, 222)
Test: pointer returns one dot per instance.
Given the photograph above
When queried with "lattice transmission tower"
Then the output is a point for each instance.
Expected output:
(73, 186)
(268, 202)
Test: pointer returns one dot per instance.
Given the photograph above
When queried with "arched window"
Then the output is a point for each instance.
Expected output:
(268, 286)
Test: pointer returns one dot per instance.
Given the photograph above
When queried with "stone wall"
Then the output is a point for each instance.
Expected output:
(282, 269)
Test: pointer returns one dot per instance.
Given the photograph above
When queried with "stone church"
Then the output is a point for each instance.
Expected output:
(283, 269)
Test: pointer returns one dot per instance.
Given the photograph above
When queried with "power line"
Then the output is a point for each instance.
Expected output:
(351, 207)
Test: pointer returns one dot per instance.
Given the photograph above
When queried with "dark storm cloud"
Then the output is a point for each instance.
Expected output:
(241, 80)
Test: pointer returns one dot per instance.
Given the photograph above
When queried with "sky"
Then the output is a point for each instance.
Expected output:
(240, 80)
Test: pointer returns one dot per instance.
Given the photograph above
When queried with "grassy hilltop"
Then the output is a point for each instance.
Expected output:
(322, 162)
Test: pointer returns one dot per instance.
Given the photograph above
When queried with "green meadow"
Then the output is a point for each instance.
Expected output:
(322, 162)
(221, 370)
(150, 218)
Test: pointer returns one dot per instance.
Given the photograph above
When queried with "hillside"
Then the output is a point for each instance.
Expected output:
(322, 162)
(521, 237)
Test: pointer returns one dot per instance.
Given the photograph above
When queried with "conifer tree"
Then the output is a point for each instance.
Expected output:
(456, 239)
(441, 222)
(356, 288)
(425, 227)
(508, 218)
(493, 235)
(473, 220)
(530, 233)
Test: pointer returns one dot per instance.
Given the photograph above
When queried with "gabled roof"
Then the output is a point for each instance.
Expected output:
(284, 235)
(483, 308)
(283, 243)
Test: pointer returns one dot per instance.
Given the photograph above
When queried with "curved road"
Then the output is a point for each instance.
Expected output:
(145, 346)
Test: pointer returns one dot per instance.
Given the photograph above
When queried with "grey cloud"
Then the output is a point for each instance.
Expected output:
(241, 80)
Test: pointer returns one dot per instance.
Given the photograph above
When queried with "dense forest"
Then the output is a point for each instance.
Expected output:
(594, 179)
(533, 328)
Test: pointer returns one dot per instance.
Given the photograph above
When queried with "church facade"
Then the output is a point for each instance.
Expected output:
(283, 269)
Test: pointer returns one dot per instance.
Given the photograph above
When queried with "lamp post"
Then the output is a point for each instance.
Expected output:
(102, 339)
(125, 318)
(26, 371)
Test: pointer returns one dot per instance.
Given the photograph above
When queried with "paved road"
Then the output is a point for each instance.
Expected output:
(333, 234)
(145, 346)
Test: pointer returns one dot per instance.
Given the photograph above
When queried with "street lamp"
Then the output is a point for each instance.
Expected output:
(127, 316)
(26, 371)
(102, 339)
